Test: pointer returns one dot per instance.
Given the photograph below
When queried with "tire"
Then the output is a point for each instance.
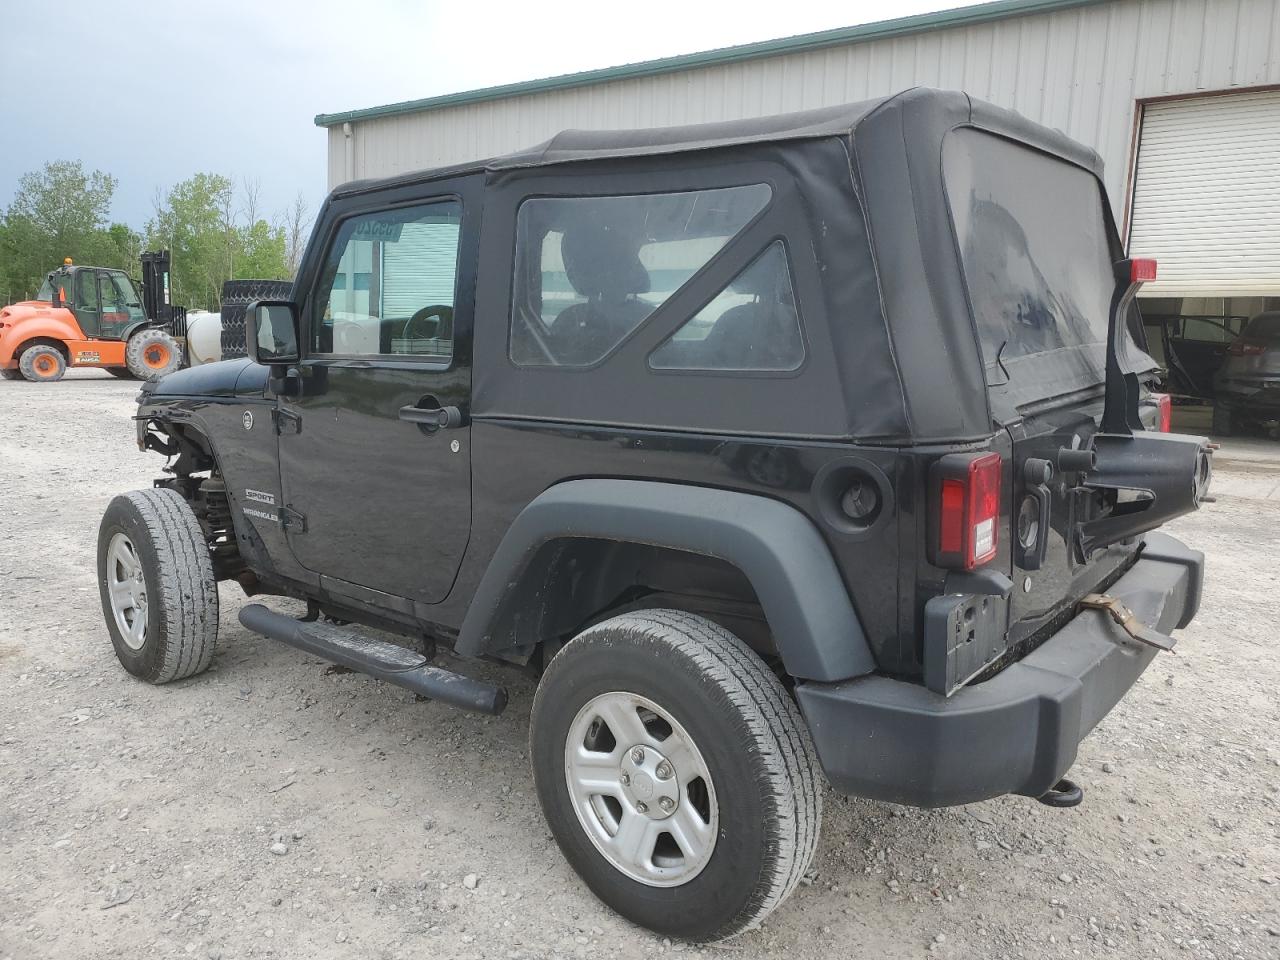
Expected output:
(42, 363)
(155, 533)
(247, 291)
(238, 294)
(232, 337)
(1222, 420)
(151, 353)
(120, 373)
(759, 808)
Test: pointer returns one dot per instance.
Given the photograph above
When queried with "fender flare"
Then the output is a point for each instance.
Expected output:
(137, 325)
(32, 325)
(814, 624)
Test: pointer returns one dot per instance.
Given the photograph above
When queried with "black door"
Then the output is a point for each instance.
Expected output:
(374, 499)
(1199, 347)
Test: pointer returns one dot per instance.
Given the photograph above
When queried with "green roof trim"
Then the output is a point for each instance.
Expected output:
(955, 17)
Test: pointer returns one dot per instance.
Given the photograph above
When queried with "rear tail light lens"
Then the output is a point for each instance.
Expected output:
(1242, 349)
(1164, 410)
(967, 507)
(1141, 271)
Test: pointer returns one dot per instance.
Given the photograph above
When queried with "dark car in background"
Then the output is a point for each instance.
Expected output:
(1191, 348)
(1247, 385)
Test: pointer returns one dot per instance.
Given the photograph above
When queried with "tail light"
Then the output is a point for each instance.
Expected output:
(966, 509)
(1242, 349)
(1141, 271)
(1164, 408)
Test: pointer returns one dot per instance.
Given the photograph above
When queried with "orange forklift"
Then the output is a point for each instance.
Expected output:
(94, 317)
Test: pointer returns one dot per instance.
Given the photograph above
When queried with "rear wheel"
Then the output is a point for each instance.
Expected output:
(676, 774)
(152, 353)
(42, 363)
(155, 578)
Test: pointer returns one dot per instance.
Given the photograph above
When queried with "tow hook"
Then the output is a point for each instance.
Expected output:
(1065, 793)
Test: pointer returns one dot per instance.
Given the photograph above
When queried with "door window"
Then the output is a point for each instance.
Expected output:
(403, 269)
(86, 291)
(590, 270)
(119, 300)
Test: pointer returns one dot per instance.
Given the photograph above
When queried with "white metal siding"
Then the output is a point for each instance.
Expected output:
(1207, 196)
(419, 269)
(1079, 70)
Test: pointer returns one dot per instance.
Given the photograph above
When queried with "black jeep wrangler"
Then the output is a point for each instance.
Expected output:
(812, 444)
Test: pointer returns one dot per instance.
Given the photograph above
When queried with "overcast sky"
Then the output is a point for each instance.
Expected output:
(153, 93)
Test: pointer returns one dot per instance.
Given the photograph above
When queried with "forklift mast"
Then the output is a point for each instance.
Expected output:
(155, 293)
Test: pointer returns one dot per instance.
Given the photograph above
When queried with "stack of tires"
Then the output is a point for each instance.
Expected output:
(238, 294)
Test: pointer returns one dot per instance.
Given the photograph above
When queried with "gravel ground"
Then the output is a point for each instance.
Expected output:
(272, 808)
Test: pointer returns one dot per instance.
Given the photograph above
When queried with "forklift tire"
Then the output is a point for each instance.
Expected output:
(151, 353)
(42, 363)
(120, 373)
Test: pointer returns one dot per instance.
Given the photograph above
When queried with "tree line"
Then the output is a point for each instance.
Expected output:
(214, 229)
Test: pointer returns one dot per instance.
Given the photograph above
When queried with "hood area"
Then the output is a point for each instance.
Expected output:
(226, 378)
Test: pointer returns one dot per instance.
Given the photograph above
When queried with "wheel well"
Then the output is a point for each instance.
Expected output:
(573, 582)
(207, 495)
(47, 341)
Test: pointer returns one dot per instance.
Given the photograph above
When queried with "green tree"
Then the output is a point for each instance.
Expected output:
(262, 253)
(190, 222)
(58, 211)
(198, 223)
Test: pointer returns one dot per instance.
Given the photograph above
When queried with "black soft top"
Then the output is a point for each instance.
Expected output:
(922, 110)
(904, 351)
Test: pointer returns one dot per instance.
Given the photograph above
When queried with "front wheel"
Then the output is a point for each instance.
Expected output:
(151, 353)
(155, 578)
(676, 774)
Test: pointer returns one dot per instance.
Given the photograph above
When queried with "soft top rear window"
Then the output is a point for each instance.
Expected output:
(1037, 259)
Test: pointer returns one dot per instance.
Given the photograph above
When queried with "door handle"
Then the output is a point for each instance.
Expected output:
(434, 418)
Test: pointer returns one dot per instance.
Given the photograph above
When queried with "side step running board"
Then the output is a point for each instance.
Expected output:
(378, 658)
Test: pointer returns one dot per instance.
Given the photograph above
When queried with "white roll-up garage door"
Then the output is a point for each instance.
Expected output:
(1206, 200)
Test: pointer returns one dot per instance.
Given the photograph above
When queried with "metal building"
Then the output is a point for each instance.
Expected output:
(1174, 94)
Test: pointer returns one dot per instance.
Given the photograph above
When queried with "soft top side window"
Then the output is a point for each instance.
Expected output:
(590, 270)
(751, 325)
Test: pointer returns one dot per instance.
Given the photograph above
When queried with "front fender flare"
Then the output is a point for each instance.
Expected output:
(814, 625)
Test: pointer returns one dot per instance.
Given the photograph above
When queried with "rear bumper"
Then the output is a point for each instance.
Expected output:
(1260, 392)
(1016, 733)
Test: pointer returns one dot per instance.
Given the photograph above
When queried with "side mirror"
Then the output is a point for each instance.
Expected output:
(271, 331)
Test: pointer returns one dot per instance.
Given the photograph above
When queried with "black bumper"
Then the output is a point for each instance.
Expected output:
(1017, 732)
(1249, 393)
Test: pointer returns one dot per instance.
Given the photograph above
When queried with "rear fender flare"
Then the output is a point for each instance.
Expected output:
(814, 625)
